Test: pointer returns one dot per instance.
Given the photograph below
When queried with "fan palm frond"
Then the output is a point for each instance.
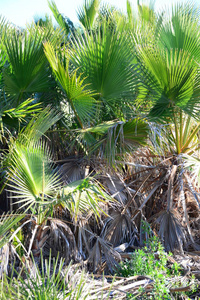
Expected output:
(84, 197)
(27, 150)
(11, 117)
(59, 18)
(173, 80)
(31, 174)
(105, 60)
(80, 98)
(101, 252)
(39, 125)
(28, 72)
(7, 222)
(170, 65)
(113, 138)
(146, 12)
(130, 14)
(181, 30)
(61, 240)
(88, 12)
(171, 231)
(120, 229)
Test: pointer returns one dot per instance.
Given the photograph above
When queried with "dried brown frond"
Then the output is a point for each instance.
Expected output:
(103, 252)
(192, 207)
(116, 188)
(120, 228)
(83, 238)
(171, 231)
(71, 171)
(61, 240)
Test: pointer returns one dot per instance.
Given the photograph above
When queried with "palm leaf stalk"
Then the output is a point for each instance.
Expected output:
(112, 139)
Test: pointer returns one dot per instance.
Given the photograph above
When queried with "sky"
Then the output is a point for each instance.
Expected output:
(21, 12)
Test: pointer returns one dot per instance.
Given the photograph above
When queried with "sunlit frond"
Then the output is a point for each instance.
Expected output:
(79, 96)
(84, 197)
(59, 18)
(88, 12)
(106, 61)
(28, 72)
(31, 175)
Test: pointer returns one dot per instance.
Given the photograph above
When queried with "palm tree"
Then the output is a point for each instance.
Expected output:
(169, 92)
(170, 77)
(36, 186)
(99, 80)
(114, 81)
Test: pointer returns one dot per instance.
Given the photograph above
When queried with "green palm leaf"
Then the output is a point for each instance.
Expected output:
(146, 12)
(83, 197)
(7, 222)
(169, 63)
(28, 71)
(113, 138)
(11, 117)
(59, 18)
(105, 60)
(39, 125)
(29, 162)
(172, 79)
(31, 174)
(88, 12)
(79, 97)
(182, 30)
(130, 13)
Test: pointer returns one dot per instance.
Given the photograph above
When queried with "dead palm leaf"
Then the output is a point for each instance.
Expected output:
(171, 231)
(61, 240)
(103, 252)
(120, 228)
(72, 170)
(115, 187)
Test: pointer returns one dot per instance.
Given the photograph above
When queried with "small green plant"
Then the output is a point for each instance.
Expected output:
(18, 242)
(47, 283)
(50, 280)
(151, 261)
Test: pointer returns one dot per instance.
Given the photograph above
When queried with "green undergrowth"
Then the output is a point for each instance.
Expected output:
(152, 261)
(50, 280)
